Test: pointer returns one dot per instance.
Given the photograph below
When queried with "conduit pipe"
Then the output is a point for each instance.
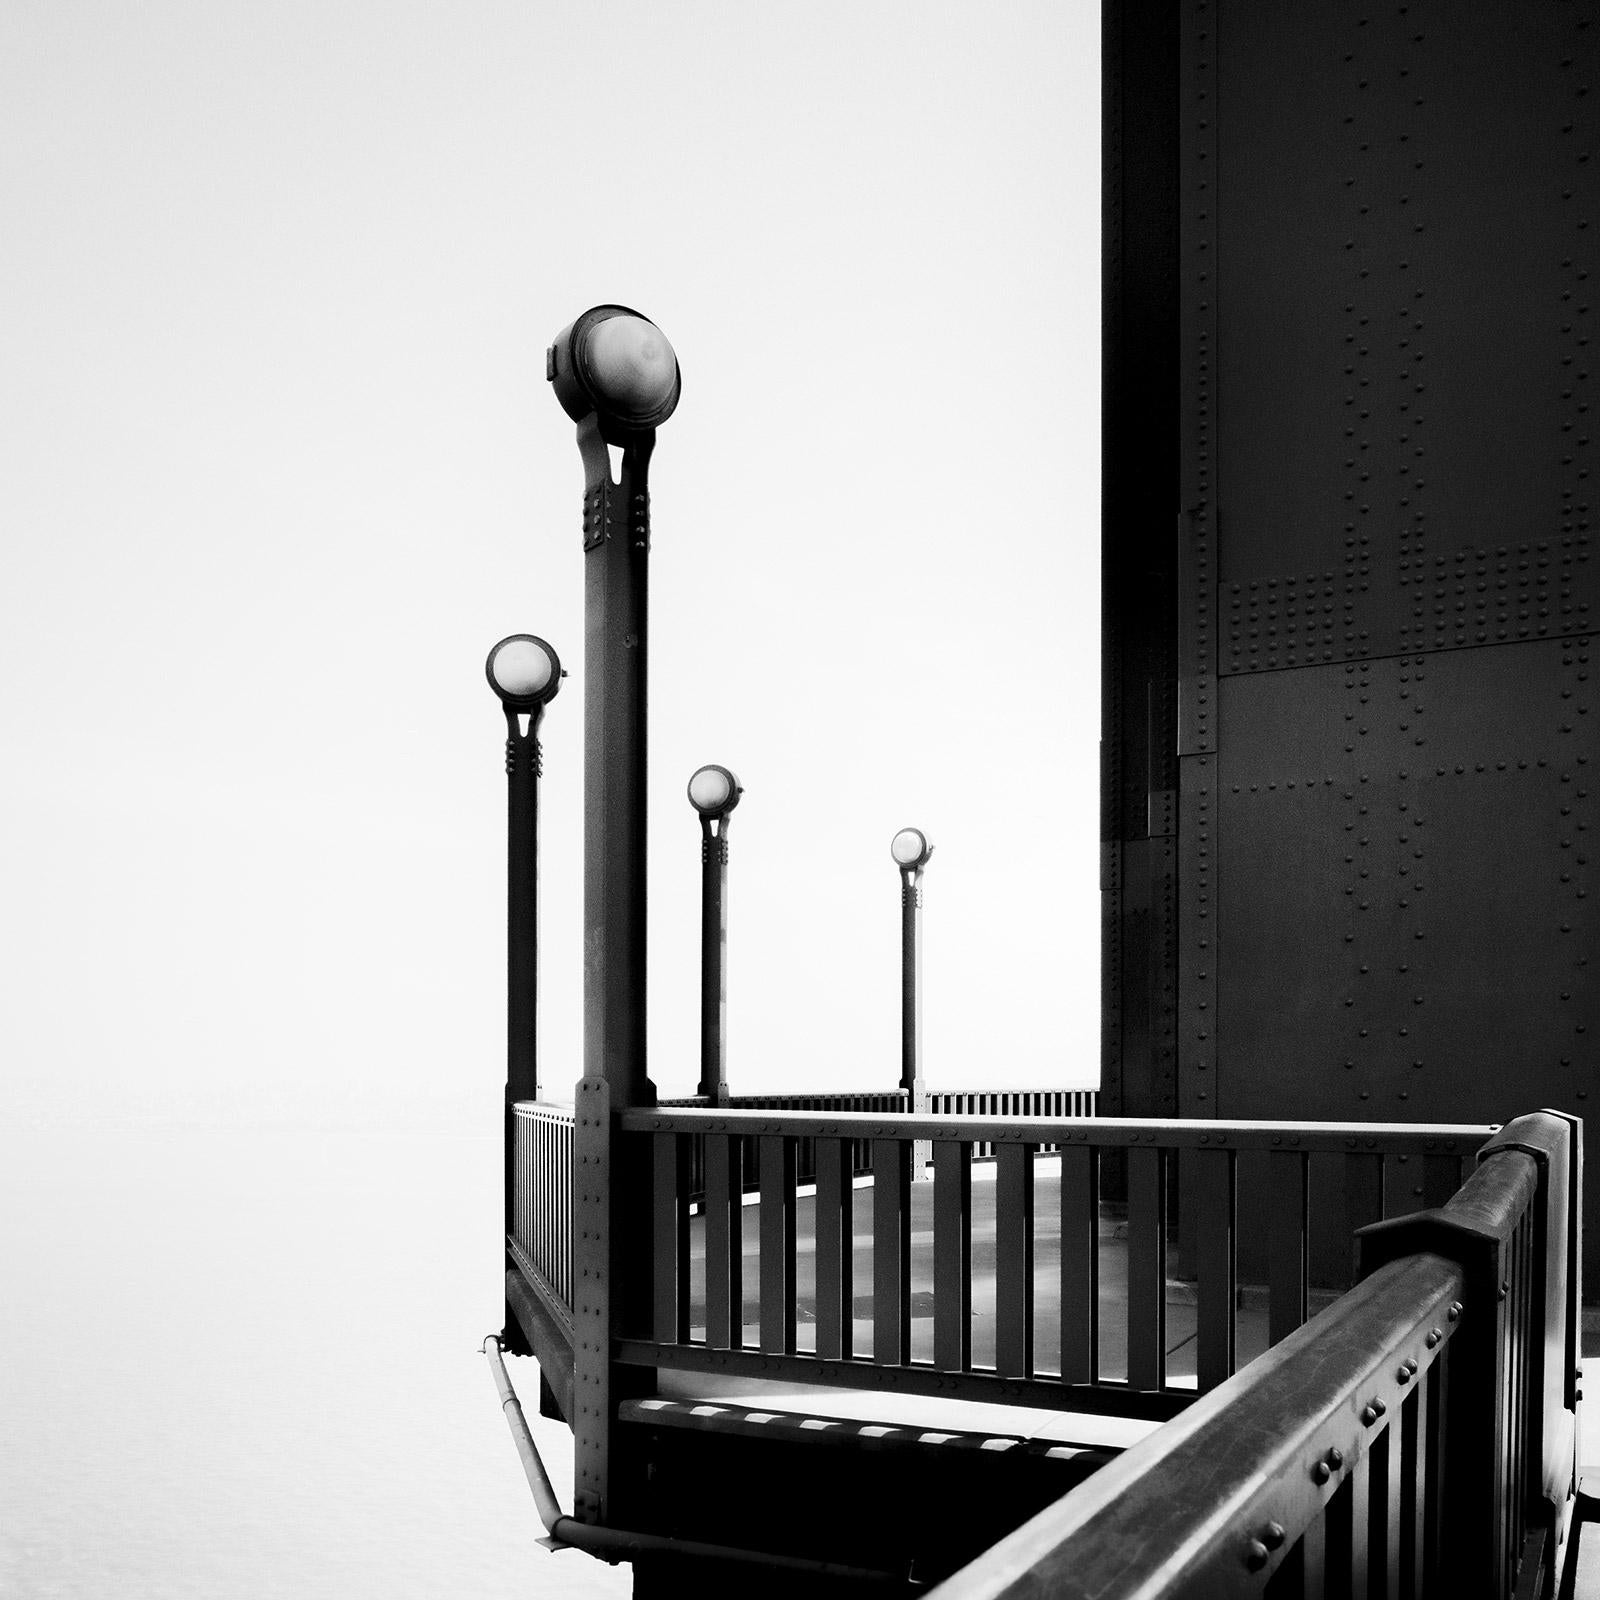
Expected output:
(617, 1544)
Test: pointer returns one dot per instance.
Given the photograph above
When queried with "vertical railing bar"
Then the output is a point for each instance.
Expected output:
(669, 1259)
(1080, 1264)
(832, 1249)
(1013, 1280)
(1393, 1470)
(1147, 1278)
(1314, 1557)
(769, 1157)
(891, 1252)
(778, 1167)
(1431, 1422)
(952, 1255)
(722, 1242)
(1413, 1493)
(1216, 1287)
(1360, 1524)
(1287, 1244)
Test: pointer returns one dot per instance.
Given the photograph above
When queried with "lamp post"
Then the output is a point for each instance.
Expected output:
(526, 674)
(910, 850)
(714, 792)
(617, 377)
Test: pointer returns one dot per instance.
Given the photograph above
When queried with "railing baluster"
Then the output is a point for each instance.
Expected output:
(724, 1288)
(952, 1255)
(891, 1252)
(1413, 1492)
(1386, 1470)
(1147, 1268)
(778, 1158)
(1286, 1244)
(1360, 1525)
(1013, 1266)
(671, 1241)
(1430, 1422)
(1216, 1289)
(834, 1248)
(1338, 1539)
(1080, 1264)
(1314, 1559)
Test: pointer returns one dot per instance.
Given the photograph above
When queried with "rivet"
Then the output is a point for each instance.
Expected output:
(1454, 1312)
(1255, 1555)
(1273, 1535)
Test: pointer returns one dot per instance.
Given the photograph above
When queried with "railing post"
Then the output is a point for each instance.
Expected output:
(617, 377)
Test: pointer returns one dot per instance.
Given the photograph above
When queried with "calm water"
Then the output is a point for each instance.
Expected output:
(246, 1365)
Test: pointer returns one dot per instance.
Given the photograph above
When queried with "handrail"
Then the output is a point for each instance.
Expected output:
(1296, 1462)
(1217, 1500)
(1369, 1138)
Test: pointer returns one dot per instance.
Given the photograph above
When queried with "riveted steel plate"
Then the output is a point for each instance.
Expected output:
(1408, 246)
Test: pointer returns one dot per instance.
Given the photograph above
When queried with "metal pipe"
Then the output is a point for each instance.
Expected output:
(619, 1544)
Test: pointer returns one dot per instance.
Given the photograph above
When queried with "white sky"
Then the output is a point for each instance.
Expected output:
(280, 465)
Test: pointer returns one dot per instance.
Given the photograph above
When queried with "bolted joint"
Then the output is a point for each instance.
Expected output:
(524, 754)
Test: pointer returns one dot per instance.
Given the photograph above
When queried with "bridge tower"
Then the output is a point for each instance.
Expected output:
(1350, 756)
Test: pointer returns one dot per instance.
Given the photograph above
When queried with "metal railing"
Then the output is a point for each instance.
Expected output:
(716, 1310)
(542, 1233)
(543, 1155)
(1343, 1462)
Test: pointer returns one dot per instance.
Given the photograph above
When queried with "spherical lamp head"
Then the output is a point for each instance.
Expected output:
(910, 849)
(524, 671)
(714, 792)
(617, 365)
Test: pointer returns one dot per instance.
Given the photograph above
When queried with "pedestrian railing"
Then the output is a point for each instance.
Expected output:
(899, 1312)
(541, 1238)
(543, 1156)
(1417, 1438)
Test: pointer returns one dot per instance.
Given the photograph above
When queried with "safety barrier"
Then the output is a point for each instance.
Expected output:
(716, 1310)
(1344, 1462)
(542, 1234)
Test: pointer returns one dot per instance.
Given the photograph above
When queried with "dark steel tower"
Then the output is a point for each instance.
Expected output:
(1350, 589)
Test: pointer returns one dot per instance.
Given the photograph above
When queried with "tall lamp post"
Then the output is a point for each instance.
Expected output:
(911, 850)
(714, 791)
(617, 377)
(526, 674)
